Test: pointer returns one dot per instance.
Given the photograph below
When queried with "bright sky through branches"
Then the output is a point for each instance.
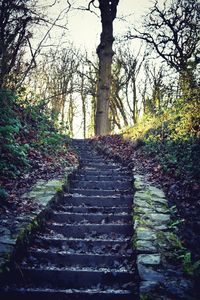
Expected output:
(84, 27)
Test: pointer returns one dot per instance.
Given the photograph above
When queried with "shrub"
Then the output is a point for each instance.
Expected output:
(25, 127)
(13, 153)
(173, 137)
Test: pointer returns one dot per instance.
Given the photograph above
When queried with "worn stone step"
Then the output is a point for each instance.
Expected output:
(99, 167)
(107, 185)
(94, 209)
(65, 259)
(112, 245)
(92, 159)
(74, 277)
(90, 156)
(66, 294)
(98, 172)
(102, 165)
(85, 250)
(93, 192)
(88, 153)
(107, 201)
(66, 217)
(98, 159)
(113, 177)
(82, 231)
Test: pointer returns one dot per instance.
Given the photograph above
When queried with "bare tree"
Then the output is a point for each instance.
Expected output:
(125, 71)
(71, 110)
(54, 80)
(116, 97)
(173, 32)
(87, 88)
(16, 19)
(83, 94)
(108, 9)
(158, 88)
(131, 64)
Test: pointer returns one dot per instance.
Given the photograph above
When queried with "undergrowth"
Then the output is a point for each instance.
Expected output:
(173, 138)
(27, 134)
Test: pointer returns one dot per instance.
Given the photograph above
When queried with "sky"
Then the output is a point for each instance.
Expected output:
(84, 28)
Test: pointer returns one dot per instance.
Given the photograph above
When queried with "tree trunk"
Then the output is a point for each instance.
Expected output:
(83, 98)
(71, 115)
(83, 102)
(135, 106)
(105, 53)
(92, 116)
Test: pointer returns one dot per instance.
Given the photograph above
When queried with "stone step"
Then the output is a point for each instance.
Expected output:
(73, 278)
(104, 172)
(82, 231)
(93, 192)
(112, 177)
(107, 201)
(100, 167)
(94, 218)
(85, 250)
(106, 185)
(112, 245)
(93, 160)
(38, 293)
(65, 259)
(89, 157)
(125, 210)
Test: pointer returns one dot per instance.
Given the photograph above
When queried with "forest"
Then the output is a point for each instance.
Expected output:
(136, 95)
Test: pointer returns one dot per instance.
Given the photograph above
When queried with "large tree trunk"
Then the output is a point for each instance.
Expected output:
(105, 53)
(83, 98)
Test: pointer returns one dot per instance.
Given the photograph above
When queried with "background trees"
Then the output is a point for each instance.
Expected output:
(172, 31)
(80, 90)
(16, 20)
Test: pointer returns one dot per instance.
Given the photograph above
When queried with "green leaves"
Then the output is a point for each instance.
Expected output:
(29, 138)
(189, 266)
(172, 137)
(13, 153)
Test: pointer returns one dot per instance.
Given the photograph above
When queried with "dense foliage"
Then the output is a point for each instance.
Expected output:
(29, 139)
(173, 137)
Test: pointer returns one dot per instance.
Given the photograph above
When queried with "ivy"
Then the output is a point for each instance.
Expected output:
(173, 137)
(28, 134)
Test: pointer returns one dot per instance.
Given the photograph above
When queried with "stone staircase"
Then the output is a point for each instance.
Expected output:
(85, 250)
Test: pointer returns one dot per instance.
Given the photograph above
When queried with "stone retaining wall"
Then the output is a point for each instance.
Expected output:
(156, 244)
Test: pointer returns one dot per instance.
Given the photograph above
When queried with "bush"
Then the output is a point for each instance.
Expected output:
(14, 155)
(173, 137)
(25, 127)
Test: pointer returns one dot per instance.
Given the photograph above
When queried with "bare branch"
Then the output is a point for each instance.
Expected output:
(39, 47)
(172, 31)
